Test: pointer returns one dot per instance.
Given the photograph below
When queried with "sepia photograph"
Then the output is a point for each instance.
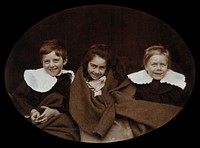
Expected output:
(99, 73)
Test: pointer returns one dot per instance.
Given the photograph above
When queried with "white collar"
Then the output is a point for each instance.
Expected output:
(40, 81)
(171, 77)
(97, 84)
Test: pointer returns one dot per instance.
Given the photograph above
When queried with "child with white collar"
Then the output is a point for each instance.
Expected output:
(158, 82)
(43, 96)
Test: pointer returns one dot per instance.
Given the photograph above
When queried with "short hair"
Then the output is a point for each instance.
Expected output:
(156, 50)
(53, 45)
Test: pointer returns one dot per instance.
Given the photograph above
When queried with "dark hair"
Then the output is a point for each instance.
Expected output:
(119, 64)
(102, 50)
(53, 45)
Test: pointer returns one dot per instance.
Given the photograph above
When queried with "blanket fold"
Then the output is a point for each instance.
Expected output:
(62, 125)
(95, 115)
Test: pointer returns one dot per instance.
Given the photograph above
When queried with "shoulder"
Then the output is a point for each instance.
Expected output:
(39, 80)
(70, 72)
(140, 77)
(174, 78)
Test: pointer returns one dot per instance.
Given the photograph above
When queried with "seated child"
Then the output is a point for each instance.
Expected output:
(44, 94)
(157, 82)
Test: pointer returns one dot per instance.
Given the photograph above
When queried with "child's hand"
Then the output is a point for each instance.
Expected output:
(47, 114)
(34, 114)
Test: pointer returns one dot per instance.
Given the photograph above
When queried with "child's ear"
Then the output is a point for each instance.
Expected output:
(65, 61)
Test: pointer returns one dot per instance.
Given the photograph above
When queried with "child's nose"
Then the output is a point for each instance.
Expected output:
(97, 70)
(51, 64)
(158, 67)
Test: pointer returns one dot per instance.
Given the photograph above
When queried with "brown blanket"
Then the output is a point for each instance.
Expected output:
(96, 115)
(62, 125)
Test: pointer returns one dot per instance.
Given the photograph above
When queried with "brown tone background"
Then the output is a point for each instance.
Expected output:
(127, 30)
(17, 17)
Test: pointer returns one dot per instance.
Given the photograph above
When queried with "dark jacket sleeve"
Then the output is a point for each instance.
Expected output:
(20, 99)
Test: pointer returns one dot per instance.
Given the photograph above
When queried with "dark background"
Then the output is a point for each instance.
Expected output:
(17, 23)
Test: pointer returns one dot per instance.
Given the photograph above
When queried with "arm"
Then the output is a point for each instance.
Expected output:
(148, 113)
(20, 99)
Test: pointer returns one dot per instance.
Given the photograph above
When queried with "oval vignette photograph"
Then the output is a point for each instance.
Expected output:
(100, 74)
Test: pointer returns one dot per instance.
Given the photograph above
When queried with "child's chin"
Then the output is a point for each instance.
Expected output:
(157, 78)
(53, 74)
(95, 78)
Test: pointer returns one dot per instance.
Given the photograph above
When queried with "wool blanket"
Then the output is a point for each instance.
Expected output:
(96, 114)
(62, 125)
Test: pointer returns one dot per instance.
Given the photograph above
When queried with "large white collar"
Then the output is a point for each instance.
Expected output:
(40, 81)
(171, 77)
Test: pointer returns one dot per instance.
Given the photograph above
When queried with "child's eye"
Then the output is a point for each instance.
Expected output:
(46, 62)
(154, 64)
(163, 64)
(94, 66)
(56, 61)
(102, 68)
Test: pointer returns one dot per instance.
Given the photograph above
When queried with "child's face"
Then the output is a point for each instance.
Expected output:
(157, 66)
(52, 63)
(96, 67)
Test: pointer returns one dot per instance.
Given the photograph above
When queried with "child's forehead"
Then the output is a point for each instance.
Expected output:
(52, 54)
(159, 57)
